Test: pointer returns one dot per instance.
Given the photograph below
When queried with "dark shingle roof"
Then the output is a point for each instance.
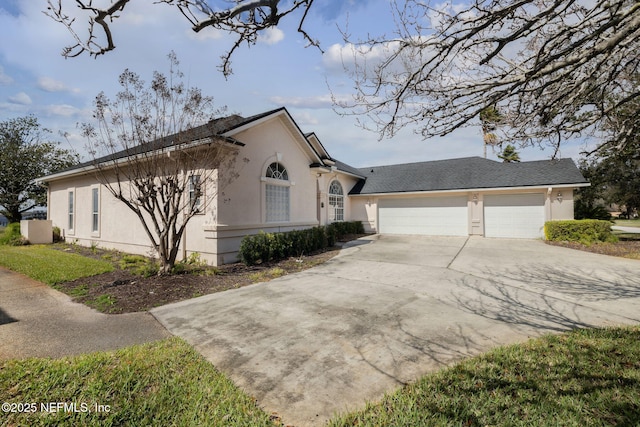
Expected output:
(348, 169)
(466, 173)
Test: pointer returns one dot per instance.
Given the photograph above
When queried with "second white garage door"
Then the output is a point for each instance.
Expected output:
(514, 215)
(435, 216)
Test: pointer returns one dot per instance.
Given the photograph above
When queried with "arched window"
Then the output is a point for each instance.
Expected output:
(277, 193)
(336, 201)
(277, 171)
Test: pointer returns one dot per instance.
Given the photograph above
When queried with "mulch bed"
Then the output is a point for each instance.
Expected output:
(626, 249)
(121, 291)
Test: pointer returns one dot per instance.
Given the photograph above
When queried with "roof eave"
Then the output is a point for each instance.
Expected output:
(112, 162)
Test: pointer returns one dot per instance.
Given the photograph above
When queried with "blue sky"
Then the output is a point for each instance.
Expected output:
(278, 71)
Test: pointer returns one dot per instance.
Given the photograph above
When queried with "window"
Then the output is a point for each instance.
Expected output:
(70, 211)
(277, 203)
(95, 205)
(195, 192)
(277, 193)
(336, 201)
(277, 171)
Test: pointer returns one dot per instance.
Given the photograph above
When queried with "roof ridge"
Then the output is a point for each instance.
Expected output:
(431, 161)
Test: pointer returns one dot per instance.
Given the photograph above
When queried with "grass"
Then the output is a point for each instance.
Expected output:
(166, 383)
(50, 266)
(586, 377)
(627, 222)
(265, 276)
(139, 265)
(102, 302)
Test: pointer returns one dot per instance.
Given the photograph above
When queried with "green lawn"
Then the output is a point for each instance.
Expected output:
(583, 378)
(48, 265)
(162, 384)
(627, 222)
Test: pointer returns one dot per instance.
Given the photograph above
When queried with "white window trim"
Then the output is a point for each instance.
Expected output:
(264, 181)
(332, 208)
(71, 213)
(96, 232)
(198, 207)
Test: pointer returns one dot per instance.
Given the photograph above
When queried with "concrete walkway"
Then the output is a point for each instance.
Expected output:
(389, 310)
(38, 321)
(626, 229)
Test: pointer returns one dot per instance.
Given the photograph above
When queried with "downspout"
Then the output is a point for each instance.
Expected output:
(184, 233)
(548, 202)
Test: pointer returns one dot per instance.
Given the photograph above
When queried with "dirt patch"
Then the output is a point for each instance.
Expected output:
(122, 291)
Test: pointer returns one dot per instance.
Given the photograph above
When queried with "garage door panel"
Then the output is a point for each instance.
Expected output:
(439, 216)
(514, 215)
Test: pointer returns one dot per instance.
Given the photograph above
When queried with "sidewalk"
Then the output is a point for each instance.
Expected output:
(38, 321)
(626, 229)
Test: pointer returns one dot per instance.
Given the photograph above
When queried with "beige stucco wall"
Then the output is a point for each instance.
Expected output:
(242, 202)
(37, 231)
(560, 209)
(324, 182)
(241, 207)
(118, 227)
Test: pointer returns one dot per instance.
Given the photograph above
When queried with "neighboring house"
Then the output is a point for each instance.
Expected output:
(291, 182)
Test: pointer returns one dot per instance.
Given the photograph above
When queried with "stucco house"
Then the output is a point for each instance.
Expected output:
(291, 182)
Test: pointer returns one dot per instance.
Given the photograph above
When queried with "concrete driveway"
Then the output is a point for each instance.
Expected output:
(392, 308)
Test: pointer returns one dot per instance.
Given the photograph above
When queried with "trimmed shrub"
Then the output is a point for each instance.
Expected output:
(265, 247)
(57, 235)
(585, 231)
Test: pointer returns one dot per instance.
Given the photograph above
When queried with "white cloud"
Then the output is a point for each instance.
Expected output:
(271, 36)
(63, 110)
(349, 57)
(205, 34)
(305, 118)
(20, 98)
(4, 78)
(51, 85)
(321, 101)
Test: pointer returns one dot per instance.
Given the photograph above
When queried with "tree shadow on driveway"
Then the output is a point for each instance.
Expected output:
(5, 318)
(552, 299)
(584, 284)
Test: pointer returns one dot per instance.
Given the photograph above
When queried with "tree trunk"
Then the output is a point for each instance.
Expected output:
(13, 215)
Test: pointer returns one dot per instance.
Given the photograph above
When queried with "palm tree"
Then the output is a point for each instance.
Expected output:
(509, 154)
(491, 118)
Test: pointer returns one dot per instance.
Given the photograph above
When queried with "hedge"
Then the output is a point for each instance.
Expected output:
(586, 231)
(265, 247)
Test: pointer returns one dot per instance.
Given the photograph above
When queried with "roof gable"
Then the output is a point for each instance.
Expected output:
(289, 123)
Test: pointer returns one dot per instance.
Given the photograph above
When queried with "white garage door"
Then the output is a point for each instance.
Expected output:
(436, 216)
(514, 215)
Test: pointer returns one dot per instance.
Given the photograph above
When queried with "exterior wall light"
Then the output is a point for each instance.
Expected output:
(559, 197)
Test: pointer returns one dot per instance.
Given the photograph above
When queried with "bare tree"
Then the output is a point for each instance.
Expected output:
(245, 18)
(551, 67)
(155, 150)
